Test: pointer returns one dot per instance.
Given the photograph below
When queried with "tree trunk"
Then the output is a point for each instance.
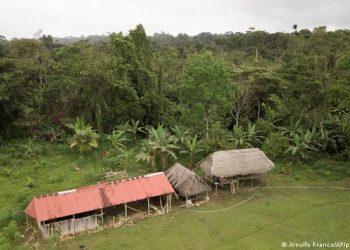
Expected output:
(207, 125)
(98, 117)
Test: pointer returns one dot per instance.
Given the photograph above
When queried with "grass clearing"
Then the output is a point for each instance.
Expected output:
(271, 217)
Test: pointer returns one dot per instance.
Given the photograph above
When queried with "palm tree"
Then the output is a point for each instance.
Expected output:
(122, 159)
(131, 128)
(238, 138)
(192, 147)
(242, 138)
(302, 144)
(85, 138)
(181, 134)
(292, 129)
(252, 134)
(135, 128)
(147, 154)
(31, 150)
(158, 147)
(117, 140)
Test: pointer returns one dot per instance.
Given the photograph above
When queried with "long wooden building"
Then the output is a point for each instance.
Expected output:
(73, 211)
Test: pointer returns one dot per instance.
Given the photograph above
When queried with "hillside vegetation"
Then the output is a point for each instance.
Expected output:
(71, 112)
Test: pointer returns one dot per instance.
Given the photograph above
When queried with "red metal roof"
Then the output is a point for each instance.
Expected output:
(97, 196)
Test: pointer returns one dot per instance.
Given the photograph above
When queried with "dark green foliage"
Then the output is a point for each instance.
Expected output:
(205, 89)
(217, 139)
(230, 79)
(287, 93)
(275, 145)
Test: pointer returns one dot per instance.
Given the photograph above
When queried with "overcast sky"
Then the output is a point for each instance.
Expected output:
(23, 18)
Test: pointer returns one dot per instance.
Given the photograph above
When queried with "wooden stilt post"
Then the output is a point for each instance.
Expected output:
(171, 197)
(73, 224)
(267, 179)
(169, 202)
(125, 210)
(148, 206)
(216, 188)
(161, 204)
(102, 214)
(27, 220)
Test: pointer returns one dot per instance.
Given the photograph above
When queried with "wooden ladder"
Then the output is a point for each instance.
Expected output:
(232, 186)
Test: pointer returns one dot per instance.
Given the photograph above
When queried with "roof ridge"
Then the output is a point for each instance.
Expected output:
(92, 186)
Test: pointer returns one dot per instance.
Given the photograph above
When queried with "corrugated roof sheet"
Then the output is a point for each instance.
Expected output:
(98, 196)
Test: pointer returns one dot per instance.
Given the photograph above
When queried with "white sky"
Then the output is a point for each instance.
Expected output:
(23, 18)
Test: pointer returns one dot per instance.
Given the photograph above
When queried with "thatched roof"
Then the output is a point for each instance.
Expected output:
(231, 163)
(186, 182)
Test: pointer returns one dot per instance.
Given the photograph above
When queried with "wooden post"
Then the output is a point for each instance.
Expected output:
(27, 220)
(267, 177)
(73, 224)
(125, 210)
(168, 202)
(148, 206)
(161, 204)
(171, 197)
(102, 214)
(216, 188)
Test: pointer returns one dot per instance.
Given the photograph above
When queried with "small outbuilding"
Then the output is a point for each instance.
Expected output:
(233, 166)
(81, 209)
(186, 182)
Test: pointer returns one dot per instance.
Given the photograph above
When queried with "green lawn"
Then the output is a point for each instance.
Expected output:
(271, 217)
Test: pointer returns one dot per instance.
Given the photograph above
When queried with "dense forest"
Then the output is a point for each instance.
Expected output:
(138, 103)
(288, 93)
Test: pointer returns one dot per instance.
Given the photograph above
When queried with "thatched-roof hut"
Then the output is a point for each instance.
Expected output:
(186, 182)
(232, 163)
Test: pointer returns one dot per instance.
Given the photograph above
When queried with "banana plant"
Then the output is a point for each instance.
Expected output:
(117, 140)
(301, 145)
(192, 147)
(158, 147)
(181, 134)
(242, 138)
(84, 137)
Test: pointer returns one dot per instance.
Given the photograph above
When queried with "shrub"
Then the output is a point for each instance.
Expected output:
(32, 149)
(7, 172)
(84, 138)
(23, 198)
(275, 145)
(15, 152)
(265, 127)
(52, 241)
(42, 164)
(5, 160)
(54, 178)
(11, 231)
(29, 182)
(6, 216)
(216, 139)
(92, 175)
(4, 243)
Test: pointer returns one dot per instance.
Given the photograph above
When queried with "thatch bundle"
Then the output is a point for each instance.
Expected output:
(186, 182)
(236, 163)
